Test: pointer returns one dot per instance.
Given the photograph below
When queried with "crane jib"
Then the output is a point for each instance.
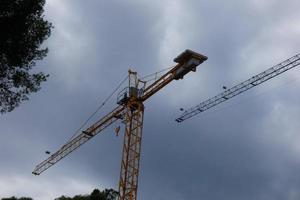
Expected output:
(186, 62)
(242, 87)
(79, 140)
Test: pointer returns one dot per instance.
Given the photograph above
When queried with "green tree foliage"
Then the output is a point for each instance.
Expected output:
(107, 194)
(23, 30)
(14, 198)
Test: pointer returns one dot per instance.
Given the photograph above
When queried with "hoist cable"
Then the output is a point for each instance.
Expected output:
(101, 106)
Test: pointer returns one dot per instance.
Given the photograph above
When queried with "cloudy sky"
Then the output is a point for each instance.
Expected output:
(247, 148)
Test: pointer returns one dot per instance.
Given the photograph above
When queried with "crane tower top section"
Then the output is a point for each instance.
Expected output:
(187, 61)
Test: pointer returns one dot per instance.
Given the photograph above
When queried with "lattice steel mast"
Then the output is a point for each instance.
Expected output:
(242, 87)
(131, 111)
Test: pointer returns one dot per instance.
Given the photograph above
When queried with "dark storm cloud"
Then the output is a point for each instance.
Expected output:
(243, 149)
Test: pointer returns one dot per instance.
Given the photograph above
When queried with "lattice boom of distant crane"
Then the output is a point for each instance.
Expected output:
(242, 87)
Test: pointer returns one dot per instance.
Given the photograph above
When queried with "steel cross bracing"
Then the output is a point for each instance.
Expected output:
(242, 87)
(131, 151)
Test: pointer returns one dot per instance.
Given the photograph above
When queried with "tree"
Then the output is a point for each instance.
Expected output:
(23, 30)
(110, 194)
(107, 194)
(10, 198)
(97, 195)
(14, 198)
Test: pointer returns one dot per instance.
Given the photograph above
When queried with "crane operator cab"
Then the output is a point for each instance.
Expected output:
(127, 93)
(135, 90)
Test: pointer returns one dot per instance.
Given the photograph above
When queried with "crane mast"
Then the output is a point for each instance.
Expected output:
(133, 119)
(130, 110)
(242, 87)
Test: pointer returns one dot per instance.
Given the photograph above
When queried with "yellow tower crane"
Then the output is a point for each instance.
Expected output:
(130, 109)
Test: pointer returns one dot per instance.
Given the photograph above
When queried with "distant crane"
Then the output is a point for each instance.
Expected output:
(130, 110)
(240, 88)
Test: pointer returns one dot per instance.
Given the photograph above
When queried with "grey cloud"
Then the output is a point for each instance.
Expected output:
(235, 151)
